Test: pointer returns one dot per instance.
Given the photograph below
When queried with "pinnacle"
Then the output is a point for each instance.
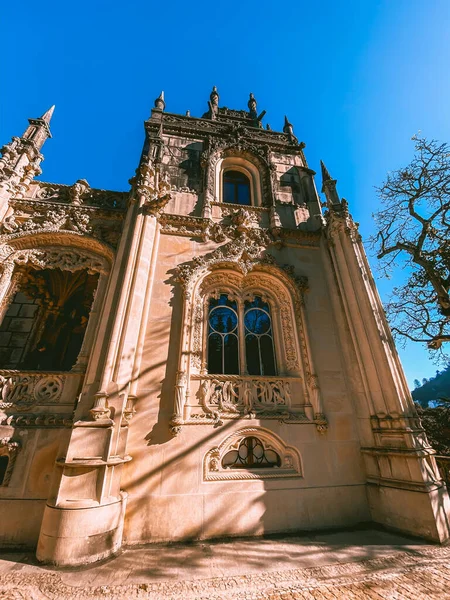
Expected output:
(48, 115)
(325, 173)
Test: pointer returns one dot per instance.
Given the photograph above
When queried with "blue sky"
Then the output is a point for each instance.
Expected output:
(356, 78)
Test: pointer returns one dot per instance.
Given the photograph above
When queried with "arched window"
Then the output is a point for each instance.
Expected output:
(236, 188)
(4, 461)
(228, 324)
(251, 454)
(223, 336)
(258, 338)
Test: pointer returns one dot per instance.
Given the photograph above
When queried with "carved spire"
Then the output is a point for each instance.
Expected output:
(21, 158)
(47, 116)
(325, 173)
(159, 102)
(329, 187)
(289, 129)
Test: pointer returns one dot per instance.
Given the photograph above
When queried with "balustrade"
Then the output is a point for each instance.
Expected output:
(244, 394)
(22, 390)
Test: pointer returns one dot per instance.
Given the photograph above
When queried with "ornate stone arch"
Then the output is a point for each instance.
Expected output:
(61, 250)
(290, 459)
(236, 266)
(256, 160)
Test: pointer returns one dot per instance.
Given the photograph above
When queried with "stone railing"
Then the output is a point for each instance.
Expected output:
(443, 463)
(244, 394)
(23, 390)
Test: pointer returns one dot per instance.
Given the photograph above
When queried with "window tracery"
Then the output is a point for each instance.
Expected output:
(251, 453)
(233, 325)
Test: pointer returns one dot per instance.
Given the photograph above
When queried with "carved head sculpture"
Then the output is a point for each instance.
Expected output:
(78, 189)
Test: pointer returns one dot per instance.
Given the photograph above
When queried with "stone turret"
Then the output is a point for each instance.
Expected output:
(21, 159)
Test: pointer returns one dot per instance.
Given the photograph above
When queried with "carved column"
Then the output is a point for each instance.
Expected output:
(84, 516)
(404, 486)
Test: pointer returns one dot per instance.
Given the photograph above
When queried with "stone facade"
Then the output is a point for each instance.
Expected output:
(139, 439)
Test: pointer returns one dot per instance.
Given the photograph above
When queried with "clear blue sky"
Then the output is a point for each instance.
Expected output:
(357, 78)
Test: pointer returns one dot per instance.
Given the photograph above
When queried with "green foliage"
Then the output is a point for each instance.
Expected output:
(436, 422)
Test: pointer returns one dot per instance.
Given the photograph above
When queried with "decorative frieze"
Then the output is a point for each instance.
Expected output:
(221, 394)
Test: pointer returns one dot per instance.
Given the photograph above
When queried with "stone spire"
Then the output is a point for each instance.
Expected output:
(21, 158)
(47, 116)
(329, 187)
(159, 102)
(289, 129)
(39, 129)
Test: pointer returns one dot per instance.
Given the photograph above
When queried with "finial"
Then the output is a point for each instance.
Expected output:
(252, 106)
(213, 104)
(214, 96)
(325, 173)
(48, 115)
(188, 113)
(268, 127)
(287, 128)
(159, 102)
(329, 187)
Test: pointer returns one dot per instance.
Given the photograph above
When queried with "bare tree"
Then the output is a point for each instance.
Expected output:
(414, 233)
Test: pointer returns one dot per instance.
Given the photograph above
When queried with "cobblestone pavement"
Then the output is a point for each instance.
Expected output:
(409, 571)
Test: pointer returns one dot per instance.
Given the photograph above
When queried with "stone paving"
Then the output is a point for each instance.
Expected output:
(367, 564)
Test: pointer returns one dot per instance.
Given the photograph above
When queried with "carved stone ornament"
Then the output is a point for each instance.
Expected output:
(59, 258)
(152, 186)
(80, 193)
(290, 467)
(33, 217)
(22, 391)
(244, 251)
(9, 449)
(41, 420)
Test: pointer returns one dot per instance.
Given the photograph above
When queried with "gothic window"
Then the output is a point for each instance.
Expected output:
(230, 323)
(236, 188)
(251, 454)
(223, 346)
(258, 338)
(4, 461)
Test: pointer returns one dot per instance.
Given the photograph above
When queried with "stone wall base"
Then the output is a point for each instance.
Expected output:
(20, 522)
(77, 536)
(423, 514)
